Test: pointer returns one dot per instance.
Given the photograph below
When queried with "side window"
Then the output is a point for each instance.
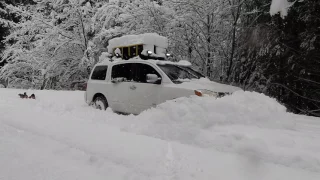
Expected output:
(99, 73)
(141, 72)
(122, 71)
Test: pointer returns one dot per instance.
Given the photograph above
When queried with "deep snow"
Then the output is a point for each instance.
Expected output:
(246, 136)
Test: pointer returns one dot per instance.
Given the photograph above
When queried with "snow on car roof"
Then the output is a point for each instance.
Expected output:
(147, 38)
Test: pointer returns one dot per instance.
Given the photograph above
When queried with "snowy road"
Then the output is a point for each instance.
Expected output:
(243, 137)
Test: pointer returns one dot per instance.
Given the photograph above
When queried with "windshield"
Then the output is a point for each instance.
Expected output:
(178, 73)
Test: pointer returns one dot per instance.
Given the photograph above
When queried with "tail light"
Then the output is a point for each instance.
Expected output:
(205, 92)
(198, 93)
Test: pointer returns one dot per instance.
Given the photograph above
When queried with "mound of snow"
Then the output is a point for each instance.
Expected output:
(248, 124)
(242, 108)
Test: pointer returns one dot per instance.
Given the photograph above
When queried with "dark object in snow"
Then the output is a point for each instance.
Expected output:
(32, 96)
(24, 95)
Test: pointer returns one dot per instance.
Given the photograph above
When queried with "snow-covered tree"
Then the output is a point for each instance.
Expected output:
(204, 32)
(116, 18)
(279, 54)
(52, 38)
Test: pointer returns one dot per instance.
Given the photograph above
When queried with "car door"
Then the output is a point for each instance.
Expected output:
(143, 95)
(121, 77)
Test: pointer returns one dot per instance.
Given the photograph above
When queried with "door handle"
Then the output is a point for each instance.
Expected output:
(133, 87)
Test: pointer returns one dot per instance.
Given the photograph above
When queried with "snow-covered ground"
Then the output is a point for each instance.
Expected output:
(246, 136)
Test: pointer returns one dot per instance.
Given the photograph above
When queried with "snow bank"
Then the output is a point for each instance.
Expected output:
(246, 123)
(205, 83)
(184, 139)
(184, 118)
(245, 108)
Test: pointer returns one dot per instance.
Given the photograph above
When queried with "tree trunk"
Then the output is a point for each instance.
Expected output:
(209, 61)
(236, 16)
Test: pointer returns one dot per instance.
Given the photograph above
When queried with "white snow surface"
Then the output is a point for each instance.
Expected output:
(179, 63)
(205, 83)
(245, 136)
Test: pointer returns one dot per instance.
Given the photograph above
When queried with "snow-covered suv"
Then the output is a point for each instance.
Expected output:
(135, 85)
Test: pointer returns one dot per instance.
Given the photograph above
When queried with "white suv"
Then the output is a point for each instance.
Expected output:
(135, 85)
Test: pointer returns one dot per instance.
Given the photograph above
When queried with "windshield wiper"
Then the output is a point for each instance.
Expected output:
(177, 81)
(186, 70)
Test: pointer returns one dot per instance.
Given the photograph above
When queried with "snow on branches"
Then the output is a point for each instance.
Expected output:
(280, 6)
(51, 35)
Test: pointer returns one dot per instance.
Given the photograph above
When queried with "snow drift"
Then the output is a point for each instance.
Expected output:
(247, 133)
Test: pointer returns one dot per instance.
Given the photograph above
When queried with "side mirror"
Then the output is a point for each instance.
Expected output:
(119, 80)
(153, 78)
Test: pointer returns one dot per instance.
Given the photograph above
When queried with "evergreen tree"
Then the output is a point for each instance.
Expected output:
(281, 57)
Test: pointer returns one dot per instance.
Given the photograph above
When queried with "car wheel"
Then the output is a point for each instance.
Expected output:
(100, 103)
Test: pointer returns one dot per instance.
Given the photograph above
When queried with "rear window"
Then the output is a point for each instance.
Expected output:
(99, 73)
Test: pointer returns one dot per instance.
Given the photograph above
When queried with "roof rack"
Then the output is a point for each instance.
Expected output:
(146, 46)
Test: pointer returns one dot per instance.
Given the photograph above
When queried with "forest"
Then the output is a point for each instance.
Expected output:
(267, 46)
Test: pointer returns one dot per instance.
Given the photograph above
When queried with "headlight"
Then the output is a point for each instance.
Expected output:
(204, 92)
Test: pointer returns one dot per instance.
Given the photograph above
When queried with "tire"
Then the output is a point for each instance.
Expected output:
(100, 103)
